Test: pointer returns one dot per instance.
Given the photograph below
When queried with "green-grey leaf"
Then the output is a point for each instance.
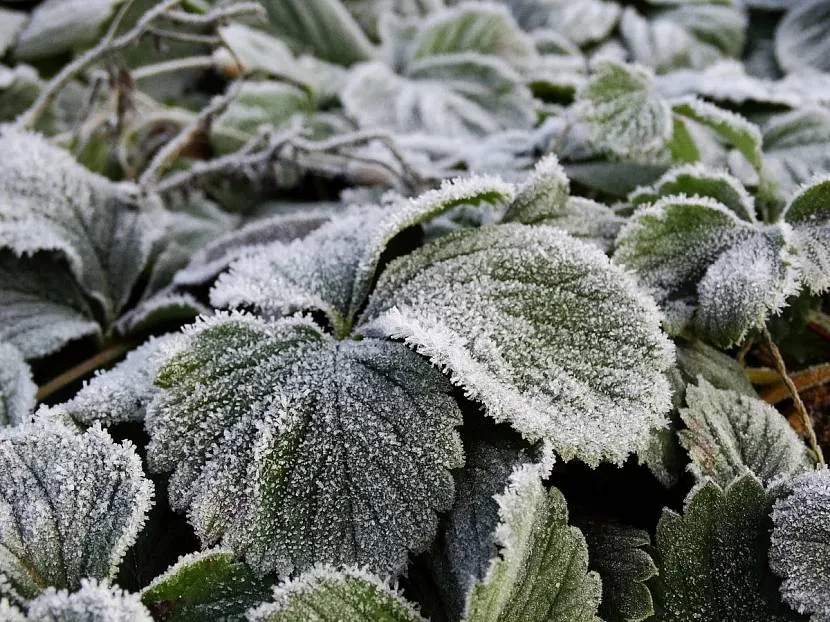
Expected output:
(11, 23)
(328, 595)
(293, 448)
(808, 212)
(541, 572)
(94, 602)
(209, 585)
(712, 560)
(799, 552)
(626, 116)
(797, 147)
(696, 358)
(70, 506)
(617, 553)
(729, 434)
(332, 269)
(540, 328)
(17, 391)
(801, 38)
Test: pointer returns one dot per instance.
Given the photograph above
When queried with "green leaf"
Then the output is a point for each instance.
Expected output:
(11, 23)
(332, 269)
(323, 28)
(799, 550)
(730, 433)
(617, 554)
(706, 267)
(696, 358)
(540, 328)
(70, 506)
(94, 602)
(293, 448)
(626, 116)
(328, 595)
(541, 572)
(683, 145)
(808, 212)
(712, 560)
(210, 585)
(17, 391)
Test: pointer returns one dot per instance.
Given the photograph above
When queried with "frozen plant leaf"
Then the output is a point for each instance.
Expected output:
(70, 505)
(706, 266)
(17, 391)
(729, 434)
(801, 38)
(11, 23)
(541, 571)
(332, 268)
(808, 212)
(698, 180)
(696, 358)
(162, 308)
(41, 307)
(93, 602)
(617, 553)
(210, 585)
(540, 328)
(325, 594)
(799, 550)
(293, 448)
(712, 560)
(626, 116)
(123, 392)
(582, 22)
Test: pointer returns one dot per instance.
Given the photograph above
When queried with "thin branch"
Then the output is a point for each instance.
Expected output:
(169, 66)
(216, 15)
(745, 348)
(763, 376)
(804, 380)
(799, 405)
(107, 45)
(104, 357)
(184, 37)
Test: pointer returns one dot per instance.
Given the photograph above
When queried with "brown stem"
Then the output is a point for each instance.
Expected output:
(799, 405)
(762, 375)
(105, 356)
(803, 380)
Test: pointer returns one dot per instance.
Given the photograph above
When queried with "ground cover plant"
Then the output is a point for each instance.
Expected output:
(414, 309)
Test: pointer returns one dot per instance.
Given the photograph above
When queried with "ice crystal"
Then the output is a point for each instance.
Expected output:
(540, 328)
(293, 448)
(17, 391)
(93, 602)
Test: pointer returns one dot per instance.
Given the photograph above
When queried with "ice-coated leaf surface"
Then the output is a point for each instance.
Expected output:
(123, 392)
(617, 553)
(49, 202)
(797, 147)
(801, 40)
(799, 553)
(626, 116)
(540, 328)
(581, 22)
(325, 594)
(712, 560)
(93, 602)
(541, 571)
(17, 391)
(808, 212)
(332, 268)
(696, 358)
(70, 505)
(729, 434)
(706, 266)
(210, 585)
(293, 448)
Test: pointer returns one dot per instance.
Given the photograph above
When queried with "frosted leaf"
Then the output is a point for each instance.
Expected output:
(729, 434)
(453, 95)
(293, 448)
(541, 570)
(209, 585)
(808, 212)
(257, 52)
(626, 116)
(58, 26)
(41, 307)
(801, 38)
(17, 391)
(615, 178)
(799, 552)
(8, 613)
(94, 602)
(540, 328)
(323, 27)
(72, 503)
(712, 560)
(19, 87)
(49, 202)
(696, 358)
(797, 147)
(325, 594)
(617, 553)
(582, 22)
(11, 23)
(123, 392)
(721, 25)
(163, 307)
(706, 266)
(332, 269)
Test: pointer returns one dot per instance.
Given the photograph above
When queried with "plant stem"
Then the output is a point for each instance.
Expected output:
(105, 356)
(803, 380)
(168, 66)
(762, 375)
(799, 405)
(819, 323)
